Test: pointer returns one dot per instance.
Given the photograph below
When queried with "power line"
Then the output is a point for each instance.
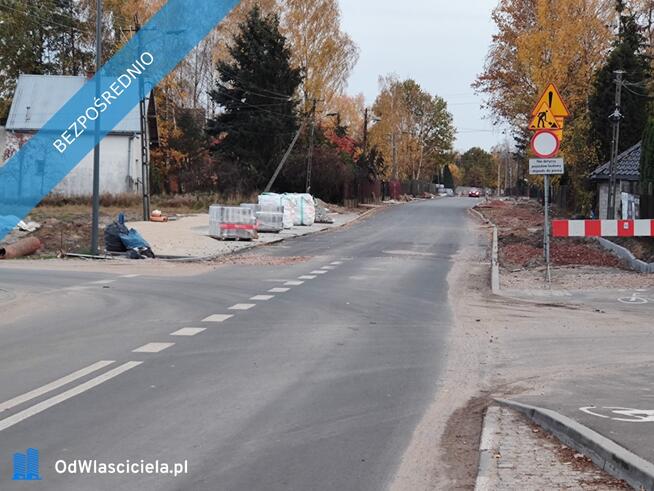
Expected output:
(44, 22)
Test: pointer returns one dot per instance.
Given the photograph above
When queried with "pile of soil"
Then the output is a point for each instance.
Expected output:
(641, 247)
(520, 232)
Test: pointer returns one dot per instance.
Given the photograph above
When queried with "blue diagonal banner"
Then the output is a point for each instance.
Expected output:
(53, 152)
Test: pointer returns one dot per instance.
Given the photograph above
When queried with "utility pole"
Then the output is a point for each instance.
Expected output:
(145, 140)
(95, 220)
(365, 132)
(311, 142)
(285, 158)
(615, 118)
(396, 170)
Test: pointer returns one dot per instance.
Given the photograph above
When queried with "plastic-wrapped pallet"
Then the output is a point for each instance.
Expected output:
(306, 208)
(280, 200)
(228, 222)
(270, 219)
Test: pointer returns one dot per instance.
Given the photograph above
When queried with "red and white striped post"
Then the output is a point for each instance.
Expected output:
(603, 228)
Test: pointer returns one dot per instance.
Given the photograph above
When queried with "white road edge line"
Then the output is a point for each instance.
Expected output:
(28, 396)
(153, 348)
(101, 282)
(53, 401)
(262, 298)
(189, 331)
(131, 276)
(243, 306)
(218, 318)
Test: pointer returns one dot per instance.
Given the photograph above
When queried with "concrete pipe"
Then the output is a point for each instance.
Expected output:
(22, 248)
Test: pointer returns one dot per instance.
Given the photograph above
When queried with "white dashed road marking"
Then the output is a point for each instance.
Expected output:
(189, 331)
(218, 318)
(294, 283)
(318, 272)
(263, 298)
(153, 347)
(337, 263)
(278, 290)
(307, 277)
(53, 401)
(328, 268)
(131, 276)
(243, 306)
(53, 385)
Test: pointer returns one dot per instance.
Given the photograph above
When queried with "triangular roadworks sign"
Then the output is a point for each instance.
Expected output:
(553, 100)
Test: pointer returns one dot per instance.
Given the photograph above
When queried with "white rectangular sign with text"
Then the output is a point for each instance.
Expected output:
(546, 167)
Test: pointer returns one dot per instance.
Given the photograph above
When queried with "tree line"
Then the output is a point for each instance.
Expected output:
(576, 44)
(226, 115)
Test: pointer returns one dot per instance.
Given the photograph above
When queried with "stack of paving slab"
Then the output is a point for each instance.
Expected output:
(299, 209)
(270, 219)
(232, 223)
(288, 206)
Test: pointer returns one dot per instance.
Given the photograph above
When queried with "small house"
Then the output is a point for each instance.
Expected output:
(37, 98)
(627, 175)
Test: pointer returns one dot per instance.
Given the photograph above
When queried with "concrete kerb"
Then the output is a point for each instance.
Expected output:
(605, 453)
(489, 443)
(495, 263)
(627, 256)
(192, 259)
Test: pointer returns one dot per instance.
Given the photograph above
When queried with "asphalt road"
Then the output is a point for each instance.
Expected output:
(618, 405)
(318, 387)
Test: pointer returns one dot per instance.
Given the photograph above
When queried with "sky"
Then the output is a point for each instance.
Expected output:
(441, 44)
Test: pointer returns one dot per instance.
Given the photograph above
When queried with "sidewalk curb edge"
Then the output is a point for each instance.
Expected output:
(605, 453)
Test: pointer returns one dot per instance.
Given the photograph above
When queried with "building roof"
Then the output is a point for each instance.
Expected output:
(627, 167)
(39, 97)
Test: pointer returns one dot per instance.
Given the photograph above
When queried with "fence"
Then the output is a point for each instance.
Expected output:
(371, 192)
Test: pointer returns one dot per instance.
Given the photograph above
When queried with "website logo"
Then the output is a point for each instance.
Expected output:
(26, 465)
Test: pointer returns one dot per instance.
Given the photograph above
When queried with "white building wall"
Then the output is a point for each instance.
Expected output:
(120, 157)
(3, 142)
(120, 166)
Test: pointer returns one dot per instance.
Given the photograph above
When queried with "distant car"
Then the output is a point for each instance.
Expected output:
(474, 193)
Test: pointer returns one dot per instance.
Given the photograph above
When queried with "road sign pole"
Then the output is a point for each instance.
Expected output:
(546, 230)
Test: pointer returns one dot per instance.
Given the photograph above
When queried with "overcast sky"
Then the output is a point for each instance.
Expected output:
(442, 44)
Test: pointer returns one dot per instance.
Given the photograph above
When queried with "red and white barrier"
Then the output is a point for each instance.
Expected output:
(603, 228)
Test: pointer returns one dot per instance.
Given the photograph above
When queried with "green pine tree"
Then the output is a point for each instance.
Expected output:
(647, 172)
(256, 93)
(628, 55)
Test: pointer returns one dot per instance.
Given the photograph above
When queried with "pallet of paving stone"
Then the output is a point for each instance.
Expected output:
(232, 223)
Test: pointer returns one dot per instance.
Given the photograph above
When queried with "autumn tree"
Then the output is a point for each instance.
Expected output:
(540, 42)
(325, 54)
(255, 92)
(448, 178)
(417, 123)
(478, 168)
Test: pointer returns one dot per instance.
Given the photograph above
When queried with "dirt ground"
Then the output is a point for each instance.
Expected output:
(500, 347)
(66, 224)
(520, 230)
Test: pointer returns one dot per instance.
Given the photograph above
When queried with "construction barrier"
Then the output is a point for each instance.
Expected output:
(603, 228)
